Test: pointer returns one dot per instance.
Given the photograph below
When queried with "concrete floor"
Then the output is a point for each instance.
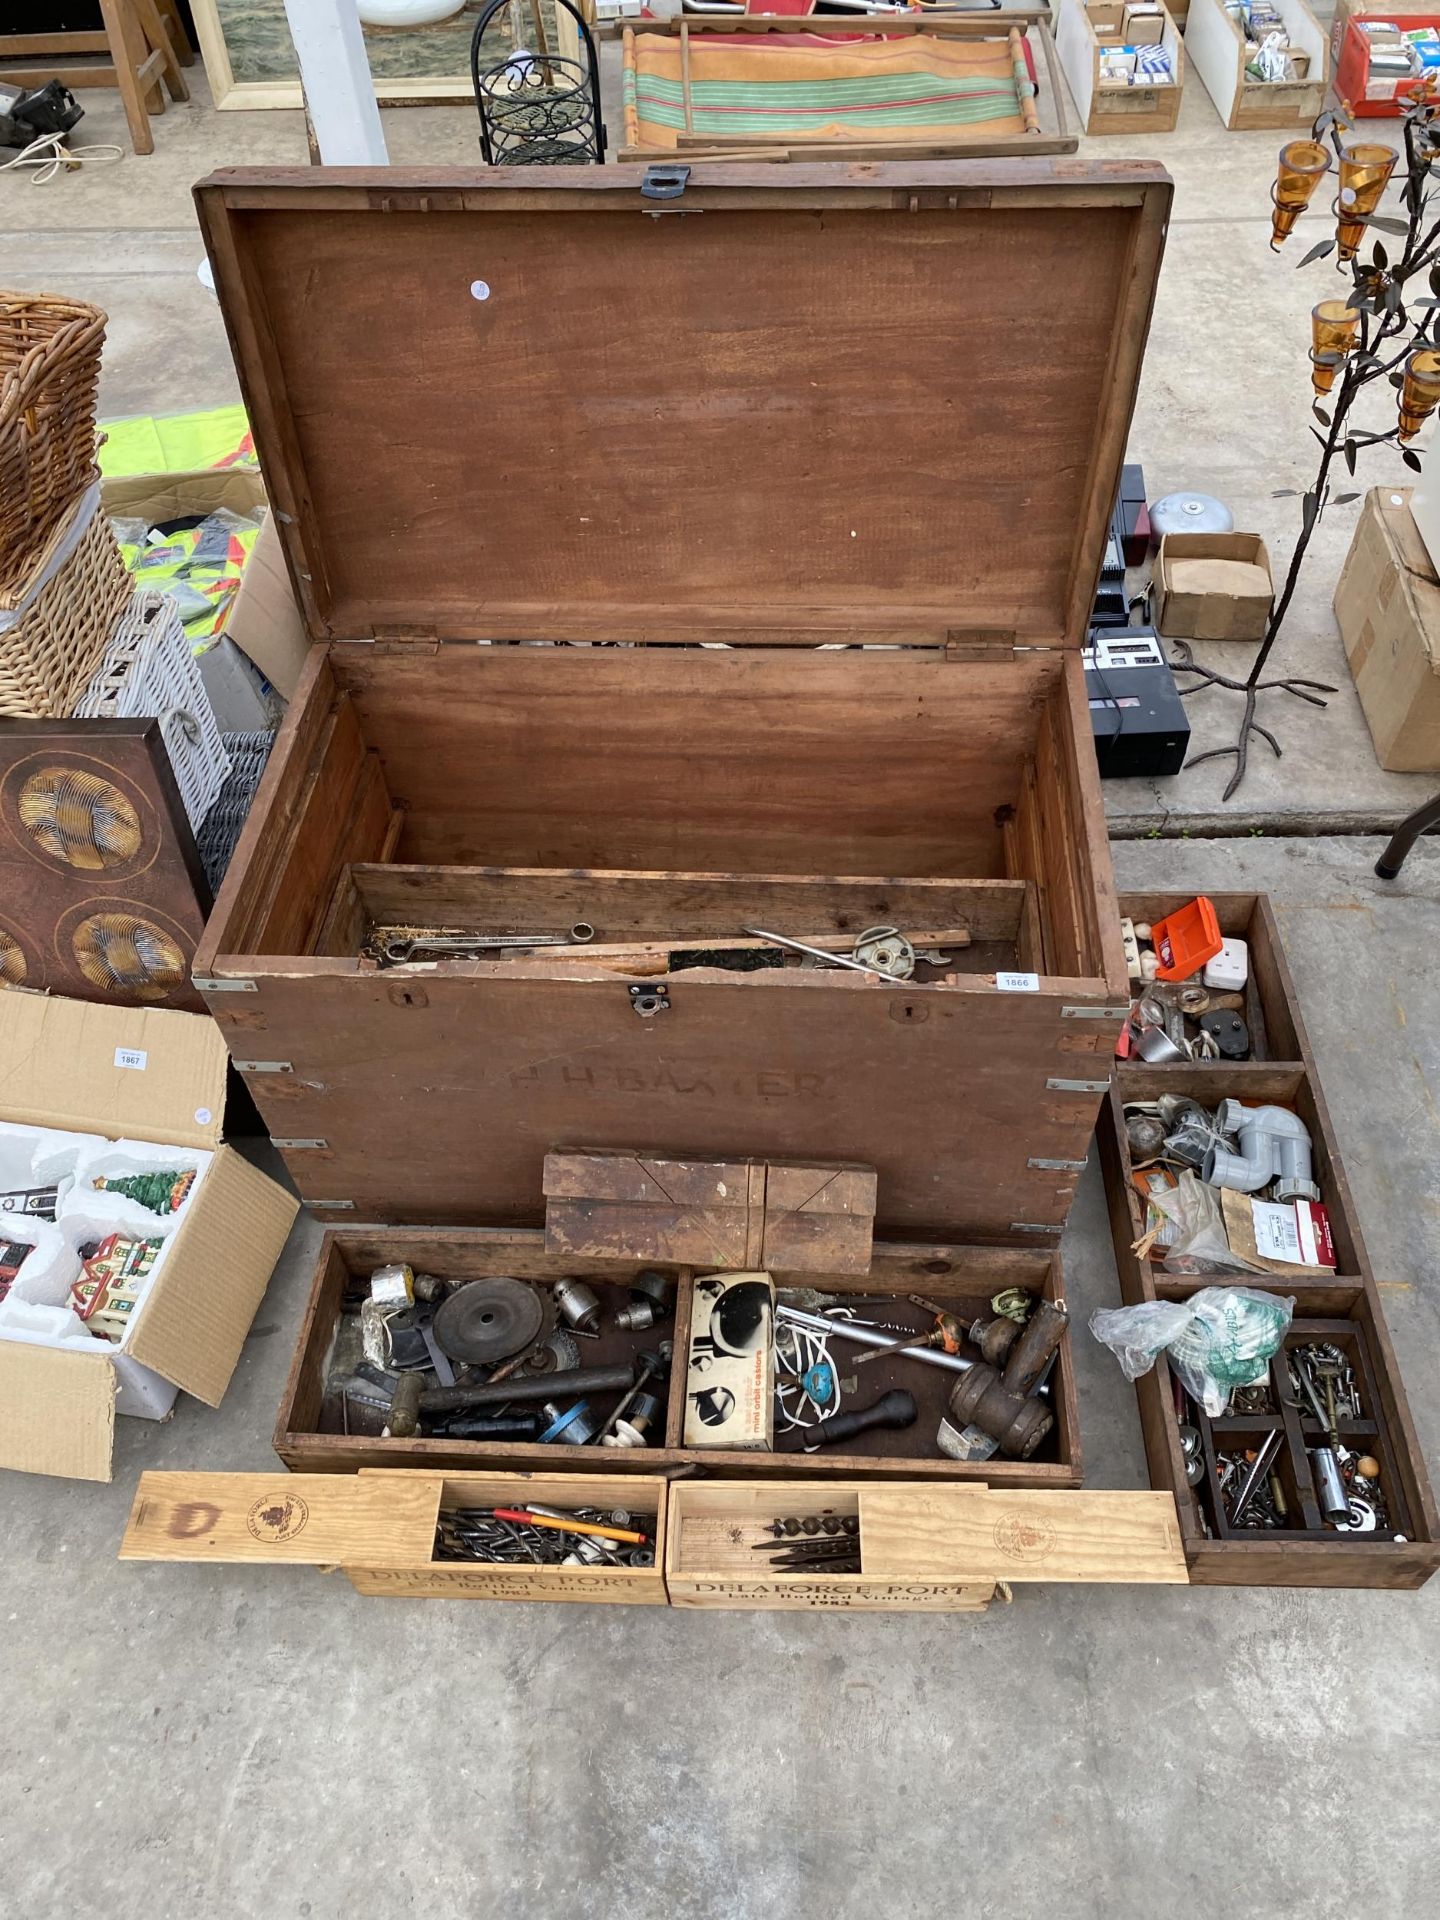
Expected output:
(244, 1742)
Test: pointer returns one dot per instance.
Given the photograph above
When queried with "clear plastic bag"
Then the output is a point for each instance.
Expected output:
(1219, 1339)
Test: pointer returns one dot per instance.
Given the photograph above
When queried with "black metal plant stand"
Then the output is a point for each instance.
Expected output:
(1404, 837)
(540, 109)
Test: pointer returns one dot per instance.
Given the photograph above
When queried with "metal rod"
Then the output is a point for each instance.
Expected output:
(819, 953)
(1269, 1447)
(869, 1337)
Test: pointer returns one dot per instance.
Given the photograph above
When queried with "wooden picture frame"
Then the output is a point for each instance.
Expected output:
(240, 95)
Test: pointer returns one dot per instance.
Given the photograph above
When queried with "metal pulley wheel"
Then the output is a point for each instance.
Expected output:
(489, 1320)
(888, 949)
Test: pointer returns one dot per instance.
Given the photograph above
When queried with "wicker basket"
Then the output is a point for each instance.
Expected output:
(48, 656)
(49, 377)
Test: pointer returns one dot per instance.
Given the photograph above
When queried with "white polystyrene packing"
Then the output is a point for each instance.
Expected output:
(36, 1309)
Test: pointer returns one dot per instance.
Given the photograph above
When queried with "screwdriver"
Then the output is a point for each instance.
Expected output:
(946, 1334)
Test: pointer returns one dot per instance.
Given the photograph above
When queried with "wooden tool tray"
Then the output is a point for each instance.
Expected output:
(746, 590)
(1344, 1309)
(311, 1433)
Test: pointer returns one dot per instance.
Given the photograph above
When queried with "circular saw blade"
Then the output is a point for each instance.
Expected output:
(490, 1320)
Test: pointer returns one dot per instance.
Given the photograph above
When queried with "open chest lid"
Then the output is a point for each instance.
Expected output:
(883, 402)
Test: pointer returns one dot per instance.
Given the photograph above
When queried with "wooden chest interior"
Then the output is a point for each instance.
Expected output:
(746, 591)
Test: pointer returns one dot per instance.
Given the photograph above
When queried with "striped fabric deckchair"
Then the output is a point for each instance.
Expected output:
(690, 89)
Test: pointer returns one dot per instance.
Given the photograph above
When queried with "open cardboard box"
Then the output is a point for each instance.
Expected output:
(147, 1076)
(264, 623)
(1213, 586)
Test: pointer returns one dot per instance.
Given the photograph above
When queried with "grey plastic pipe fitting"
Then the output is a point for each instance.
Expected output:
(1274, 1145)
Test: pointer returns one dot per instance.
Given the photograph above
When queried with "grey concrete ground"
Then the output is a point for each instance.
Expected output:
(250, 1743)
(243, 1742)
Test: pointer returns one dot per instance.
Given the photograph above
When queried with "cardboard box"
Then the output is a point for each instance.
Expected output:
(1144, 26)
(264, 621)
(142, 1075)
(1388, 608)
(1106, 16)
(1213, 586)
(730, 1385)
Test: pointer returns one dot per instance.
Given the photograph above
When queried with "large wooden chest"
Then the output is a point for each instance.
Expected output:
(681, 565)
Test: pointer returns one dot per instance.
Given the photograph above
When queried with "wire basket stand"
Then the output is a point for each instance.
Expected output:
(541, 108)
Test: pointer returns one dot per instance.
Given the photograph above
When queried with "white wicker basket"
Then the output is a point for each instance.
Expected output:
(149, 669)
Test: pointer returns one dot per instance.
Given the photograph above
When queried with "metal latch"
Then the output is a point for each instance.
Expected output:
(648, 1001)
(298, 1146)
(1041, 1166)
(1077, 1086)
(664, 183)
(331, 1206)
(263, 1066)
(1095, 1013)
(203, 983)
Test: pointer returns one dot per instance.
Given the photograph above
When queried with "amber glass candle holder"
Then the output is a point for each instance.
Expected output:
(1421, 392)
(1364, 175)
(1303, 165)
(1333, 327)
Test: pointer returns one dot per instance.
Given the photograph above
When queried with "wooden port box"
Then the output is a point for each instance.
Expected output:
(728, 595)
(311, 1432)
(927, 1548)
(1216, 46)
(1345, 1308)
(923, 1548)
(379, 1529)
(1111, 109)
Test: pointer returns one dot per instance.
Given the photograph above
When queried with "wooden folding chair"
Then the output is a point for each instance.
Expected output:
(142, 44)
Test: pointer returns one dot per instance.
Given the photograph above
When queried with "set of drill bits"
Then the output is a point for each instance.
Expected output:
(545, 1537)
(813, 1543)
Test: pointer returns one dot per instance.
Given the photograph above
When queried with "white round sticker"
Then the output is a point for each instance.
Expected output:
(479, 289)
(203, 1116)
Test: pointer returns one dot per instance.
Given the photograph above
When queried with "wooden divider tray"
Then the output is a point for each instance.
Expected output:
(1343, 1308)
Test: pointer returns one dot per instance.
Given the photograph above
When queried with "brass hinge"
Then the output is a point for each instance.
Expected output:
(980, 645)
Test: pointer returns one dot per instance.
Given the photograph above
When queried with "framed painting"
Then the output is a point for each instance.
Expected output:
(251, 63)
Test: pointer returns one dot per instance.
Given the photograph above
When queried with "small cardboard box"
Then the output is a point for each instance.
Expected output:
(1213, 586)
(152, 1075)
(1106, 16)
(264, 621)
(1388, 608)
(730, 1384)
(1144, 25)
